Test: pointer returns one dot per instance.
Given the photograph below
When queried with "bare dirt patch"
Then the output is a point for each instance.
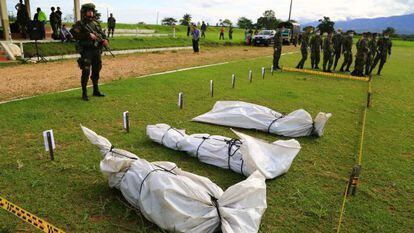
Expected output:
(34, 79)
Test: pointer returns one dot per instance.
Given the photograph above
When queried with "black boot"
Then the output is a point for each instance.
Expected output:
(85, 96)
(84, 91)
(96, 91)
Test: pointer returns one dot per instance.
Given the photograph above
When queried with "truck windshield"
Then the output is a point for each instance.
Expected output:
(265, 33)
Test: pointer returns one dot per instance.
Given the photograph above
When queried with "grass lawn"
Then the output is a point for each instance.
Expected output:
(122, 43)
(71, 192)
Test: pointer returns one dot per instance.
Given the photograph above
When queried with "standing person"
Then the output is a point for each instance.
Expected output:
(188, 29)
(231, 33)
(304, 48)
(316, 46)
(40, 16)
(361, 55)
(59, 18)
(53, 23)
(22, 17)
(348, 41)
(295, 40)
(327, 52)
(221, 33)
(111, 25)
(371, 47)
(384, 46)
(196, 39)
(337, 45)
(89, 48)
(277, 49)
(203, 30)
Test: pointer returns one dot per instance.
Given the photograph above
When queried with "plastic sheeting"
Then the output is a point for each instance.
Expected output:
(180, 201)
(251, 116)
(244, 155)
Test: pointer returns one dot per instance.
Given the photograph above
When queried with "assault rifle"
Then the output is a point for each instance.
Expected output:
(100, 39)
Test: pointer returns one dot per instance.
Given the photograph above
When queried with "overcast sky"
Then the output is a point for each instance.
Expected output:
(133, 11)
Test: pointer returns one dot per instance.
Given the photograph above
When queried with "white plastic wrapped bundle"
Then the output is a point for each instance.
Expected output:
(251, 116)
(244, 155)
(180, 201)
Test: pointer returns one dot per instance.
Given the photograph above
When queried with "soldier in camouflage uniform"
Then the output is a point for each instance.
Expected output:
(384, 46)
(337, 40)
(316, 46)
(362, 50)
(90, 48)
(347, 43)
(327, 53)
(277, 49)
(304, 48)
(372, 44)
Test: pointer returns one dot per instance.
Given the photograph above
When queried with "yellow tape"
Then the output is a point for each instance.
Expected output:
(335, 75)
(338, 229)
(29, 217)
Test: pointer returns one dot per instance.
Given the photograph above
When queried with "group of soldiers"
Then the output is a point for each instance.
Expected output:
(370, 51)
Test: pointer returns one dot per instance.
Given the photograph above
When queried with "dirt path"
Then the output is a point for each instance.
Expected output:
(33, 79)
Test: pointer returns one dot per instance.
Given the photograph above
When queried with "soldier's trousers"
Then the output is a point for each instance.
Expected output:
(382, 58)
(327, 60)
(359, 66)
(347, 60)
(55, 30)
(315, 58)
(276, 57)
(90, 63)
(337, 56)
(304, 57)
(368, 64)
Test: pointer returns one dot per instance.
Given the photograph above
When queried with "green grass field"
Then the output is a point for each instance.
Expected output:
(71, 192)
(122, 43)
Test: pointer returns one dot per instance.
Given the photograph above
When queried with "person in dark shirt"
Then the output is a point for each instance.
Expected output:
(111, 25)
(203, 30)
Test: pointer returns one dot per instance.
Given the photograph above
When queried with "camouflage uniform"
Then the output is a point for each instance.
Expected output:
(347, 50)
(277, 49)
(362, 50)
(304, 50)
(316, 46)
(384, 46)
(337, 40)
(372, 44)
(90, 51)
(327, 53)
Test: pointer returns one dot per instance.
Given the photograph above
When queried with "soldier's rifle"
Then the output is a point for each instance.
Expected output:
(99, 38)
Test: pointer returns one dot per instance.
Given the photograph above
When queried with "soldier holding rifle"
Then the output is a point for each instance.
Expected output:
(90, 42)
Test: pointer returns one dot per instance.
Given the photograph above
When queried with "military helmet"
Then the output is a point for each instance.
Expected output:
(87, 7)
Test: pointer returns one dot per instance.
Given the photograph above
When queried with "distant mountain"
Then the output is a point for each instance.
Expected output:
(403, 24)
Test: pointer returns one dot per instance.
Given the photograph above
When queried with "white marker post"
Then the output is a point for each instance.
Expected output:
(272, 69)
(263, 72)
(250, 76)
(49, 142)
(126, 121)
(233, 81)
(174, 32)
(180, 100)
(212, 88)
